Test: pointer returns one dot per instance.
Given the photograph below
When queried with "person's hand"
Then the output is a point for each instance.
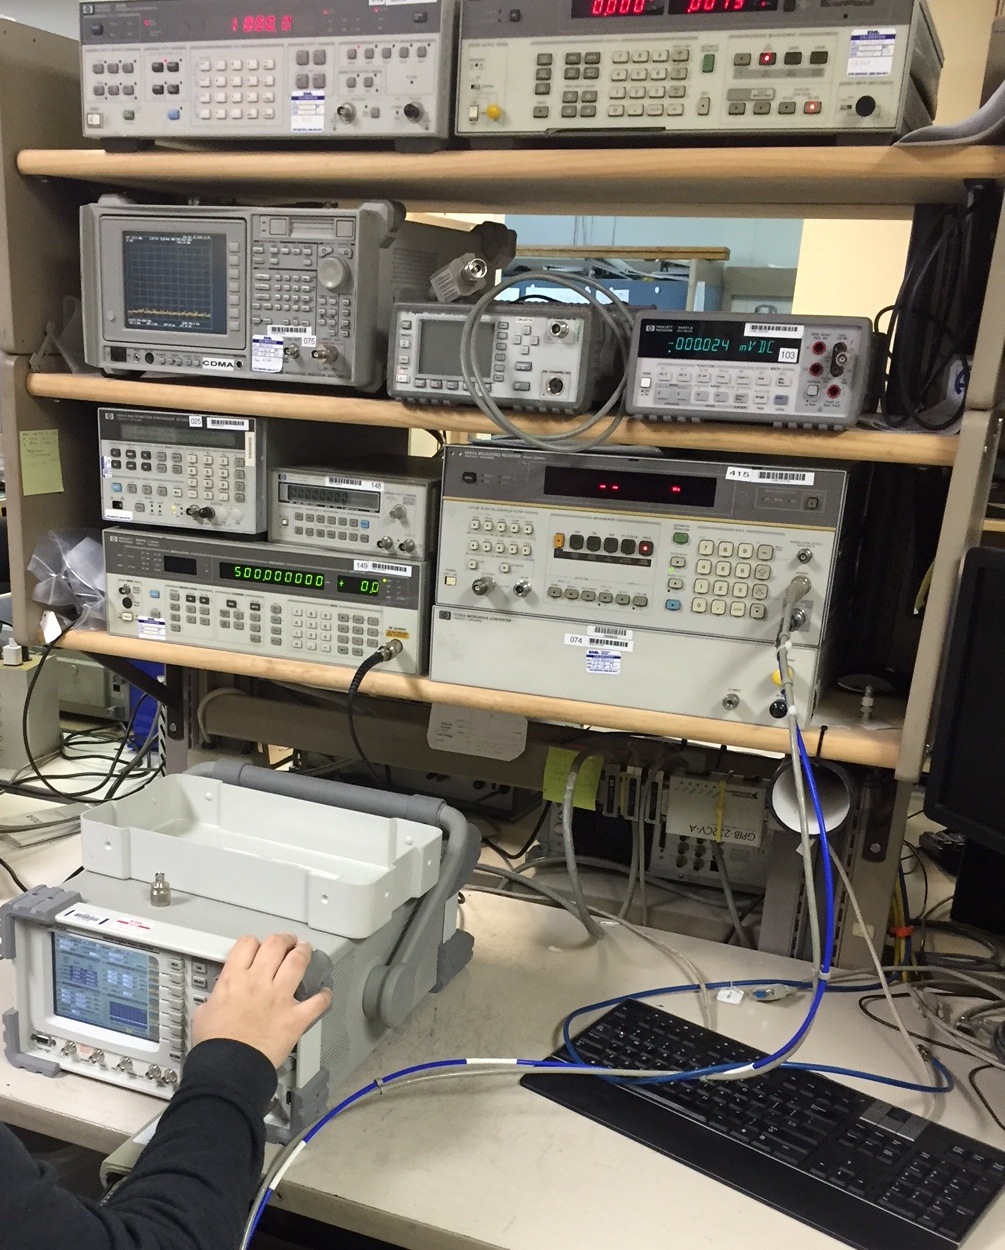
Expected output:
(253, 1000)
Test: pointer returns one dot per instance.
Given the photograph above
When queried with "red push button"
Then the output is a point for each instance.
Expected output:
(768, 58)
(812, 106)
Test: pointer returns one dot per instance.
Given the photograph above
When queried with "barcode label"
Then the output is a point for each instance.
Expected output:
(380, 566)
(609, 631)
(786, 477)
(775, 329)
(305, 334)
(227, 423)
(593, 641)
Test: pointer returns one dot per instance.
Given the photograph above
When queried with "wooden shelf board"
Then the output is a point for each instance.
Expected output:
(858, 444)
(641, 181)
(844, 741)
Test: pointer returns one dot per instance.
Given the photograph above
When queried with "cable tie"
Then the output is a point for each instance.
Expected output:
(901, 931)
(379, 1083)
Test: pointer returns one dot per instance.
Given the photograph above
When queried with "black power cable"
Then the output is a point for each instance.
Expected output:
(105, 778)
(13, 876)
(381, 656)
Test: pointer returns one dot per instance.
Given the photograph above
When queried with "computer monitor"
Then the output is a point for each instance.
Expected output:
(966, 782)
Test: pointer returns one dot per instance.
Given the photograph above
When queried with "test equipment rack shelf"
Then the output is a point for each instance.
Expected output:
(852, 182)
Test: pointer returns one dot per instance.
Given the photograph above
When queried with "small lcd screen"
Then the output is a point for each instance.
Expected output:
(440, 348)
(175, 283)
(716, 340)
(271, 576)
(105, 985)
(362, 587)
(618, 8)
(333, 497)
(620, 486)
(677, 7)
(184, 565)
(178, 435)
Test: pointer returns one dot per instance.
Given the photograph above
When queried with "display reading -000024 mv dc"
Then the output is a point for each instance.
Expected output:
(670, 340)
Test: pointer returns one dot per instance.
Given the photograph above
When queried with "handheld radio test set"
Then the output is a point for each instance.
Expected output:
(110, 968)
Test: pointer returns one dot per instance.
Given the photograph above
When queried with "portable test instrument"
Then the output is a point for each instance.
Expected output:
(261, 294)
(286, 602)
(538, 357)
(196, 69)
(638, 580)
(854, 70)
(792, 371)
(110, 968)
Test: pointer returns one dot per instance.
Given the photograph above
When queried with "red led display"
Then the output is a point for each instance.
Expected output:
(261, 23)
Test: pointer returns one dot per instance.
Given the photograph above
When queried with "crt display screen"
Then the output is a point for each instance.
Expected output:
(440, 349)
(106, 985)
(711, 341)
(175, 282)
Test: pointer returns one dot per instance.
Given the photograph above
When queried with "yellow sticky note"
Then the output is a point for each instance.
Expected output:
(41, 471)
(557, 767)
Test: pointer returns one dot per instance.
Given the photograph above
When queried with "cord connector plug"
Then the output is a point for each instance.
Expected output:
(13, 654)
(773, 993)
(388, 650)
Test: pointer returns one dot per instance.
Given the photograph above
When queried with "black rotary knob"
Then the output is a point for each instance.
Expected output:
(865, 106)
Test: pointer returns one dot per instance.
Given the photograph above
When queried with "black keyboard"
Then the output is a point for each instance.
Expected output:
(868, 1173)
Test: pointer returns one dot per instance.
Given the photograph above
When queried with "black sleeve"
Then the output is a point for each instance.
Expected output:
(191, 1187)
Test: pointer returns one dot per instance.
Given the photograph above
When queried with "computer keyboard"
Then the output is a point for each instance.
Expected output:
(863, 1171)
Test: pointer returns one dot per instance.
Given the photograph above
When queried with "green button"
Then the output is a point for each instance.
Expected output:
(682, 539)
(708, 63)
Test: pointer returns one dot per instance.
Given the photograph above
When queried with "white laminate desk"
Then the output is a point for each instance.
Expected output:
(487, 1165)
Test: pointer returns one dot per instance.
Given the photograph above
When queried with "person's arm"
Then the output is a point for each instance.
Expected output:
(193, 1184)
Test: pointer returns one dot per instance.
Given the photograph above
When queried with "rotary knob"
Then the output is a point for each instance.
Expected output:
(333, 273)
(865, 106)
(413, 112)
(483, 585)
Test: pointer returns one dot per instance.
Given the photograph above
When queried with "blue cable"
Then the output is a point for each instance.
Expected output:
(819, 988)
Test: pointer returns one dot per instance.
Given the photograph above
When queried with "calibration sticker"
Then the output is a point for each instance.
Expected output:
(604, 662)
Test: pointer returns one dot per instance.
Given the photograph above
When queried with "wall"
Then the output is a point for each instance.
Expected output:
(854, 267)
(760, 241)
(61, 16)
